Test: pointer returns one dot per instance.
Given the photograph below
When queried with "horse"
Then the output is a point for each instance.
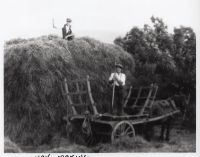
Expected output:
(160, 107)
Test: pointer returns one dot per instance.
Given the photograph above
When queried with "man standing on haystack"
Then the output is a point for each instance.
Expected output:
(67, 31)
(117, 79)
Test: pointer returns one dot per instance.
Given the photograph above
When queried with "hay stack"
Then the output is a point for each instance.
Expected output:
(34, 70)
(10, 147)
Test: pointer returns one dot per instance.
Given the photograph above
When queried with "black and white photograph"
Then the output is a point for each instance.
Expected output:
(99, 76)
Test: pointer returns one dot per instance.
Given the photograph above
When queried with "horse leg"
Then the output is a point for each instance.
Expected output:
(162, 131)
(168, 129)
(148, 130)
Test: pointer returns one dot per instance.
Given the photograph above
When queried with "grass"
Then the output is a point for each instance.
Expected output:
(181, 141)
(125, 144)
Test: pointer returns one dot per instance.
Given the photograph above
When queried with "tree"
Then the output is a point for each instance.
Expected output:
(184, 53)
(162, 57)
(166, 59)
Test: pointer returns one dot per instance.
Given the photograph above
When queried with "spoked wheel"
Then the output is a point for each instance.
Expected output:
(122, 129)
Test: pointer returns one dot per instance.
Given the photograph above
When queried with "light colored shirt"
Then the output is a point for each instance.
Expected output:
(119, 76)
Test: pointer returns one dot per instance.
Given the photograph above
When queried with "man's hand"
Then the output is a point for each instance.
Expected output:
(115, 78)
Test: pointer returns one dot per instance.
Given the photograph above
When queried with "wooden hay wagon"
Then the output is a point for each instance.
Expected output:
(84, 120)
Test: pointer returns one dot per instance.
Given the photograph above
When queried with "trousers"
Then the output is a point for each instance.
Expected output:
(119, 97)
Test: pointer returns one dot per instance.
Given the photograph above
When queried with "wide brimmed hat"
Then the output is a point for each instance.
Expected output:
(69, 20)
(119, 65)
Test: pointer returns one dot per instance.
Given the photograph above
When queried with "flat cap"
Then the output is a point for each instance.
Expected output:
(118, 65)
(69, 20)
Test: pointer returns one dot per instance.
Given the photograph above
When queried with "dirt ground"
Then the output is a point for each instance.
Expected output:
(181, 141)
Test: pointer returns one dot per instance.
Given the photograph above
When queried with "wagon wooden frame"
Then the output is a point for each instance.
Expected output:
(112, 126)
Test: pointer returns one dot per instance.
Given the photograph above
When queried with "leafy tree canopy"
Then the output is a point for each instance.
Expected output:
(168, 59)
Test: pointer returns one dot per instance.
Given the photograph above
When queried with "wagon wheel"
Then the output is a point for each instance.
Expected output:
(122, 129)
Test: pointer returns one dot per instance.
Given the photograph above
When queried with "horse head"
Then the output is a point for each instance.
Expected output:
(182, 102)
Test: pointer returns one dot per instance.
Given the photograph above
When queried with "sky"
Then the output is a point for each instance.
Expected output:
(100, 19)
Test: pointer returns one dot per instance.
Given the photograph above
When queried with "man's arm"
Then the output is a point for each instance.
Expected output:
(121, 81)
(111, 78)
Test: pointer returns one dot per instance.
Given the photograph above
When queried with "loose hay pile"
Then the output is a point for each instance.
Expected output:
(10, 147)
(33, 72)
(125, 144)
(73, 148)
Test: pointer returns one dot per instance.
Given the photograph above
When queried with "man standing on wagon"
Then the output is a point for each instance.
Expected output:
(117, 79)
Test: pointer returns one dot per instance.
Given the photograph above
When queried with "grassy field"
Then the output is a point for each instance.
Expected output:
(181, 141)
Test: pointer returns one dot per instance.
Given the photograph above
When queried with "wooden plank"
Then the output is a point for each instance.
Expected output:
(137, 121)
(127, 116)
(147, 120)
(140, 90)
(77, 117)
(146, 102)
(152, 98)
(112, 123)
(155, 93)
(127, 98)
(90, 96)
(69, 98)
(164, 116)
(78, 90)
(89, 91)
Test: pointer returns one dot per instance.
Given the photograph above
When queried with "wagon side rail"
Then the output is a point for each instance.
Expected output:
(150, 99)
(78, 93)
(128, 96)
(147, 99)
